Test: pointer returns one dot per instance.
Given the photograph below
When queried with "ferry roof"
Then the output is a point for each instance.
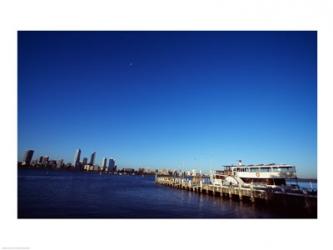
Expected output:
(259, 165)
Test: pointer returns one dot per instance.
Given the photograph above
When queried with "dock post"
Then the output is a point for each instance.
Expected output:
(252, 194)
(240, 195)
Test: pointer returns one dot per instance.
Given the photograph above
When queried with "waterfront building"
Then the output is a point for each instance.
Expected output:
(28, 157)
(77, 158)
(141, 171)
(85, 161)
(60, 163)
(52, 164)
(163, 172)
(68, 165)
(128, 170)
(33, 163)
(150, 171)
(45, 160)
(92, 158)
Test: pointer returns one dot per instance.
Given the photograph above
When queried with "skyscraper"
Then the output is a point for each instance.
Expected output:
(28, 157)
(77, 158)
(92, 158)
(104, 162)
(111, 164)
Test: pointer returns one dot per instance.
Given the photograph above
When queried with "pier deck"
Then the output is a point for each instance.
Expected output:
(251, 193)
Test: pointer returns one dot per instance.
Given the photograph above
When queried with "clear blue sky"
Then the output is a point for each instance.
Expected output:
(170, 99)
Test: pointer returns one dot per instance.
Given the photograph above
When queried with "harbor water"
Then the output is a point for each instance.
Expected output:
(61, 194)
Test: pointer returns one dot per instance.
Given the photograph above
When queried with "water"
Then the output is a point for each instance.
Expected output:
(304, 184)
(60, 194)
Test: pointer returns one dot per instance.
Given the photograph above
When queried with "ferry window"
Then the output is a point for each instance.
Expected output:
(285, 169)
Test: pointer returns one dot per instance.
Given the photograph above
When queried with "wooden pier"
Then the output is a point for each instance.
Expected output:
(251, 194)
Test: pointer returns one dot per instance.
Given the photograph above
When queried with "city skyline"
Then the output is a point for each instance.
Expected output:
(30, 155)
(198, 100)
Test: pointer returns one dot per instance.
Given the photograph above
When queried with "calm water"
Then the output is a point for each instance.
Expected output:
(53, 194)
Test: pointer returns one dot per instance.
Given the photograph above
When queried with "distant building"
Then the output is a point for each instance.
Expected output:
(92, 158)
(40, 161)
(68, 165)
(28, 157)
(45, 160)
(87, 167)
(85, 161)
(77, 158)
(128, 170)
(163, 172)
(104, 161)
(52, 164)
(141, 171)
(111, 165)
(33, 163)
(60, 163)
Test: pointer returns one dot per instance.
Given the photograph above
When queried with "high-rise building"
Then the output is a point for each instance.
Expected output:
(92, 158)
(104, 162)
(28, 157)
(85, 161)
(77, 158)
(111, 164)
(40, 161)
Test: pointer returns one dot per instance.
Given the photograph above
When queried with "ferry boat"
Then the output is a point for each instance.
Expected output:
(271, 175)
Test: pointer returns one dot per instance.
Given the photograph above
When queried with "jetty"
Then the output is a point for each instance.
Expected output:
(284, 197)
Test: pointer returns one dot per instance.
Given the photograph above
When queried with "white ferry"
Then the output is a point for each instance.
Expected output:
(259, 175)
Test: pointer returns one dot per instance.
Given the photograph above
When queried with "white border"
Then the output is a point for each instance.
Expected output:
(162, 15)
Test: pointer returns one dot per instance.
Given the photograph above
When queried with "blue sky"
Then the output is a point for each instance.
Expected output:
(170, 99)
